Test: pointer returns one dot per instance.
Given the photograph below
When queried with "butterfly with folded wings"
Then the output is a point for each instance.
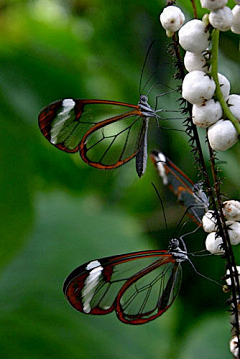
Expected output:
(138, 286)
(189, 194)
(107, 134)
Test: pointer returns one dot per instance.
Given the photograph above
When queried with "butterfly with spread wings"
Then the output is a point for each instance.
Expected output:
(189, 194)
(107, 134)
(138, 286)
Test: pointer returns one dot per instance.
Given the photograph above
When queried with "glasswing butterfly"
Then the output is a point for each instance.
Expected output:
(190, 195)
(103, 132)
(138, 286)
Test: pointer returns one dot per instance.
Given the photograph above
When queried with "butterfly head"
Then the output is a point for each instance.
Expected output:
(143, 99)
(145, 108)
(173, 244)
(174, 249)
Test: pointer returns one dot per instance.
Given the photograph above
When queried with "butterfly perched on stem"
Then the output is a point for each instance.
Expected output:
(138, 286)
(107, 134)
(189, 194)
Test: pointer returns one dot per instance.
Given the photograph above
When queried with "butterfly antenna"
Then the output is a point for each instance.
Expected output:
(144, 64)
(178, 228)
(150, 77)
(164, 214)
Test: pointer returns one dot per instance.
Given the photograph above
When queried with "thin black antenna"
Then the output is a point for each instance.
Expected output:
(150, 77)
(157, 82)
(144, 64)
(177, 230)
(164, 214)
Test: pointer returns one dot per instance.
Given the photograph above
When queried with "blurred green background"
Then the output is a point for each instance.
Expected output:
(57, 212)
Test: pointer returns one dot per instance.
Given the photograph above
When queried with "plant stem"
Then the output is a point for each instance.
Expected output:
(181, 70)
(223, 232)
(214, 74)
(194, 9)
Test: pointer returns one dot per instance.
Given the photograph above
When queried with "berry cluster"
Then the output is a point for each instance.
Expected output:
(201, 84)
(216, 110)
(231, 211)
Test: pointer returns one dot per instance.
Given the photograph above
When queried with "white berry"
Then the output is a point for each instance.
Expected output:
(193, 36)
(213, 4)
(209, 222)
(234, 232)
(172, 18)
(224, 85)
(197, 87)
(207, 113)
(233, 102)
(228, 280)
(221, 19)
(231, 210)
(234, 348)
(236, 19)
(214, 243)
(195, 61)
(222, 135)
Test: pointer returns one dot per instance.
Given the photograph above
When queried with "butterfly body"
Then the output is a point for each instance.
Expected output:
(138, 286)
(107, 134)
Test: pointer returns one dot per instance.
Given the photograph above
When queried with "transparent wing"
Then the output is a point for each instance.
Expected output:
(113, 142)
(149, 294)
(190, 195)
(140, 286)
(196, 202)
(65, 122)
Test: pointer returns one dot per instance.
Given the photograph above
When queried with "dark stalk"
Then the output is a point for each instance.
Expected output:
(194, 9)
(192, 127)
(223, 231)
(212, 192)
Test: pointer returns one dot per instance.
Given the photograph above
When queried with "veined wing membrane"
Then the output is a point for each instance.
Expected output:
(148, 295)
(140, 286)
(190, 195)
(65, 122)
(113, 142)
